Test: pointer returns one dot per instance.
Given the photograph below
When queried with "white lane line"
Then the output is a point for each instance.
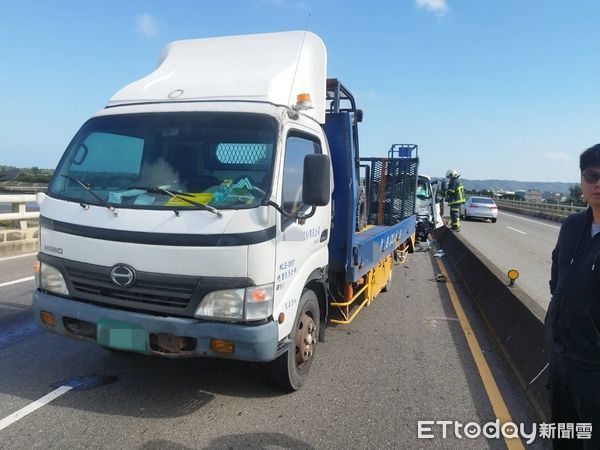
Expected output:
(532, 221)
(514, 229)
(18, 256)
(20, 280)
(33, 406)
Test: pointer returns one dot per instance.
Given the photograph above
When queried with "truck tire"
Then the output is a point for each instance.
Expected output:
(361, 211)
(290, 371)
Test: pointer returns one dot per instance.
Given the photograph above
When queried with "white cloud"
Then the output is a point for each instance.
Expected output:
(437, 6)
(558, 156)
(147, 25)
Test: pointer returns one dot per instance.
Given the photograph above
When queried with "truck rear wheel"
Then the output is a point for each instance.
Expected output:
(290, 370)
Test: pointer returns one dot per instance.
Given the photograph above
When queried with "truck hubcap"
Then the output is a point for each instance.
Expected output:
(306, 339)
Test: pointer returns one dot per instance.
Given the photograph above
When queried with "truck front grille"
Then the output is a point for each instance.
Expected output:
(149, 289)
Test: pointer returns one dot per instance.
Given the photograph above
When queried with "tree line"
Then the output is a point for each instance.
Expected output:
(575, 196)
(29, 175)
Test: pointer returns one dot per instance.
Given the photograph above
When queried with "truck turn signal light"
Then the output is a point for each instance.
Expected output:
(219, 346)
(47, 319)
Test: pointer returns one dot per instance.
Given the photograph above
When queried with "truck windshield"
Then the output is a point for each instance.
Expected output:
(219, 159)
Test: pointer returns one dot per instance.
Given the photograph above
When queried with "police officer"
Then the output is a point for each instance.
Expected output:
(454, 197)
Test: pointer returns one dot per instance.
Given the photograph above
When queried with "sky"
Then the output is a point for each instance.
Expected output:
(504, 89)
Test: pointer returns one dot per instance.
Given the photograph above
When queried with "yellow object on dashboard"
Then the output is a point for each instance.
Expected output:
(201, 197)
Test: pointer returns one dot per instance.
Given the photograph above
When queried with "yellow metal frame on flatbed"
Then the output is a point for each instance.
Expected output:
(344, 307)
(374, 281)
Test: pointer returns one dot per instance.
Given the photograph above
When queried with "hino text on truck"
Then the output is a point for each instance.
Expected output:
(219, 207)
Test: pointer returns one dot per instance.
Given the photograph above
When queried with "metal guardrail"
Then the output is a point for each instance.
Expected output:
(550, 211)
(22, 189)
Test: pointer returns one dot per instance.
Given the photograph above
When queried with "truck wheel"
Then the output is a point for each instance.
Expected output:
(291, 369)
(361, 211)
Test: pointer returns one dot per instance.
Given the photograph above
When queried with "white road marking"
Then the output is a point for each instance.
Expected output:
(20, 280)
(18, 256)
(514, 229)
(532, 221)
(33, 406)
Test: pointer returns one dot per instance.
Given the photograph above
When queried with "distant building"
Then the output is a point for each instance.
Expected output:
(552, 197)
(499, 192)
(533, 195)
(520, 193)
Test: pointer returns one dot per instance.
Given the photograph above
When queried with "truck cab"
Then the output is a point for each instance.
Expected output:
(175, 222)
(428, 206)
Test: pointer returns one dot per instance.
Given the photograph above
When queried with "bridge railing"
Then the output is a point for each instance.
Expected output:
(14, 217)
(22, 188)
(549, 211)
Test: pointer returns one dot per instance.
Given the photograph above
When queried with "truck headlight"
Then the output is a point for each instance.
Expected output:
(253, 303)
(227, 304)
(49, 278)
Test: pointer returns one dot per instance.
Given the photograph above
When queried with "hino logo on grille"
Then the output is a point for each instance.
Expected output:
(52, 249)
(122, 275)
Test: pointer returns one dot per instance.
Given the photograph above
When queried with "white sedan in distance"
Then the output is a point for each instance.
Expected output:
(480, 208)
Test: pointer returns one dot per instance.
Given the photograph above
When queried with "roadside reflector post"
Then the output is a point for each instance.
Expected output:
(513, 274)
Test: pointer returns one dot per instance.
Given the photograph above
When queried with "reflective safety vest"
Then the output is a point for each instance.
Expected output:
(454, 193)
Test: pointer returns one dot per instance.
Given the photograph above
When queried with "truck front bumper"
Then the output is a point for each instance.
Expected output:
(156, 335)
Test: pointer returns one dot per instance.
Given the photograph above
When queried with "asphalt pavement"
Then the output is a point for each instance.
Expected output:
(403, 359)
(519, 242)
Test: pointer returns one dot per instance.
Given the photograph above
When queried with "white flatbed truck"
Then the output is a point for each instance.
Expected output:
(196, 214)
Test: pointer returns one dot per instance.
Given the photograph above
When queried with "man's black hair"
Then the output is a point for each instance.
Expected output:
(590, 158)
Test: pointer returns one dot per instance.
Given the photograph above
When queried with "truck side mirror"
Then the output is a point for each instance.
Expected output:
(316, 181)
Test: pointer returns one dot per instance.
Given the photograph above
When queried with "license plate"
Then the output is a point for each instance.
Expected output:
(121, 335)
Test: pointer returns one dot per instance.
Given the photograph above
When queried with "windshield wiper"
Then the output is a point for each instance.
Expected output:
(178, 195)
(88, 188)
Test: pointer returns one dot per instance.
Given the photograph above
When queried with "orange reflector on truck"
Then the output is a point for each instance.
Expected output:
(47, 318)
(219, 346)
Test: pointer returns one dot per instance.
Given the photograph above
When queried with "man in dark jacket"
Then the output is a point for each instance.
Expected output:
(573, 318)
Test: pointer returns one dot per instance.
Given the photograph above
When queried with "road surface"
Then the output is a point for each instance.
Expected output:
(405, 358)
(517, 242)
